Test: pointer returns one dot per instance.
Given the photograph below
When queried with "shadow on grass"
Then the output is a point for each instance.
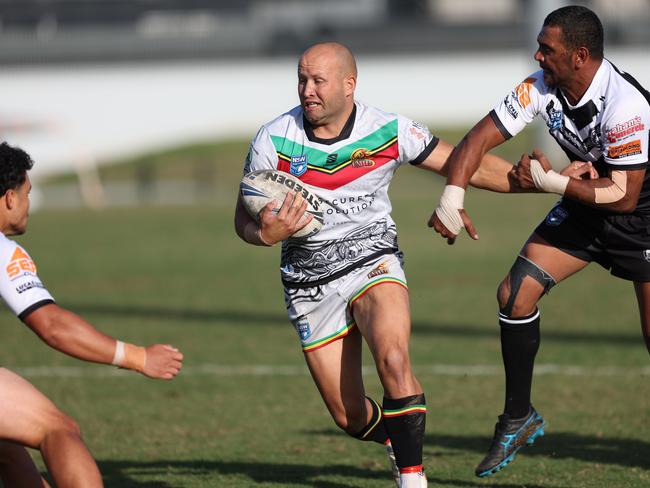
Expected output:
(125, 474)
(420, 328)
(627, 453)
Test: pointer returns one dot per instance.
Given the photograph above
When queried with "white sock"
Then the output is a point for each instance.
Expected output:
(413, 480)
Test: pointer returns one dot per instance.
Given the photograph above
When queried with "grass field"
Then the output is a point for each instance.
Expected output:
(244, 412)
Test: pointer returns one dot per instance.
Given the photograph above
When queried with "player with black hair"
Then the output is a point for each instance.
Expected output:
(27, 417)
(599, 115)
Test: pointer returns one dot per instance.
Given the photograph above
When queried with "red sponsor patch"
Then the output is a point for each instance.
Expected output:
(626, 129)
(630, 149)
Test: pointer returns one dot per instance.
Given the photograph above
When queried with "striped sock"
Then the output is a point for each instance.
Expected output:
(405, 420)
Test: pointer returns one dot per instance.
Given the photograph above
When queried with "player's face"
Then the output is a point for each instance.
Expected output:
(20, 208)
(322, 90)
(555, 59)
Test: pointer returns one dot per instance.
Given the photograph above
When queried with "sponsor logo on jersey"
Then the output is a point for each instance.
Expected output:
(298, 165)
(20, 264)
(510, 108)
(556, 216)
(22, 288)
(522, 92)
(418, 131)
(331, 158)
(379, 270)
(361, 158)
(646, 255)
(625, 130)
(302, 327)
(624, 150)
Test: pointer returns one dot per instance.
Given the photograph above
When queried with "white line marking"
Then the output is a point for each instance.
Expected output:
(93, 371)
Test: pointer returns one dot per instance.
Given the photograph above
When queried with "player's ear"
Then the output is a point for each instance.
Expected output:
(9, 199)
(581, 56)
(350, 84)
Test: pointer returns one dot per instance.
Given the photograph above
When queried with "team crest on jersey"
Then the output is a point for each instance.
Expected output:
(646, 255)
(298, 165)
(20, 264)
(361, 158)
(556, 216)
(302, 327)
(555, 117)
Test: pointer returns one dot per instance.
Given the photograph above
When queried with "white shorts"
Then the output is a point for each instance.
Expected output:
(322, 314)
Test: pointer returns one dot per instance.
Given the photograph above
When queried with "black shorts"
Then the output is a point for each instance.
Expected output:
(618, 242)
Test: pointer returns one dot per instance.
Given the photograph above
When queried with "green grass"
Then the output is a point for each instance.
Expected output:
(180, 275)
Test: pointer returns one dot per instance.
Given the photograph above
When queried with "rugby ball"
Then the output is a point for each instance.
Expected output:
(258, 188)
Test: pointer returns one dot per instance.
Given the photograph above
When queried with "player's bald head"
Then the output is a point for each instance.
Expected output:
(335, 55)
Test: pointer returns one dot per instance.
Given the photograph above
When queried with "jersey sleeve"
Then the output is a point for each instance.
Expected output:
(626, 134)
(520, 106)
(415, 142)
(20, 286)
(261, 153)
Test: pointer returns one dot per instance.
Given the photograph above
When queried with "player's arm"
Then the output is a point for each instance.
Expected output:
(494, 173)
(618, 191)
(449, 217)
(72, 335)
(274, 226)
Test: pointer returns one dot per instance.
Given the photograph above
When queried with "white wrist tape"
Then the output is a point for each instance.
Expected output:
(118, 358)
(447, 211)
(548, 181)
(129, 356)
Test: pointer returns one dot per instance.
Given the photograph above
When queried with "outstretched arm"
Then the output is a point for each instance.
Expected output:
(450, 217)
(494, 173)
(618, 191)
(72, 335)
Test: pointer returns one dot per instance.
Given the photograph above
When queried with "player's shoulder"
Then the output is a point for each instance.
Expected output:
(367, 112)
(288, 118)
(7, 247)
(624, 93)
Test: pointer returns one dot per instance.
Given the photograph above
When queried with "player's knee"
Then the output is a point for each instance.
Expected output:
(351, 419)
(393, 365)
(62, 424)
(515, 295)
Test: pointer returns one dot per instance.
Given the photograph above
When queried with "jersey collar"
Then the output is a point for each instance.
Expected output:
(345, 132)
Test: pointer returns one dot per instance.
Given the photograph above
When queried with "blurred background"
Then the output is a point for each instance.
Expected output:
(88, 83)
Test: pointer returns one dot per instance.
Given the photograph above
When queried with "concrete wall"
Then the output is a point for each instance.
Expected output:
(67, 116)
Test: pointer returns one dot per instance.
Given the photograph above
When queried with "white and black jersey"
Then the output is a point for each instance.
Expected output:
(20, 286)
(609, 126)
(350, 174)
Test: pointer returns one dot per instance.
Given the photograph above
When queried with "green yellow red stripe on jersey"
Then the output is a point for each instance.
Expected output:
(378, 281)
(339, 334)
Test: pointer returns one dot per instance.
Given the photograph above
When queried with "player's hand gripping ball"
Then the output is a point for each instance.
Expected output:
(258, 188)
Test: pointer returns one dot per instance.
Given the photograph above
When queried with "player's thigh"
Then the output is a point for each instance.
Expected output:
(336, 370)
(26, 415)
(383, 317)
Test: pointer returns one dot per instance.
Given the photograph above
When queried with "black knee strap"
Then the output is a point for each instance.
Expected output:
(524, 267)
(375, 430)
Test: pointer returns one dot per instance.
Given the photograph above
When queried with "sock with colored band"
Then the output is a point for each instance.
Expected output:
(519, 344)
(375, 430)
(405, 420)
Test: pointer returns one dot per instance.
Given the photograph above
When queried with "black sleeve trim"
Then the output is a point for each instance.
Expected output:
(33, 307)
(427, 150)
(497, 121)
(626, 167)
